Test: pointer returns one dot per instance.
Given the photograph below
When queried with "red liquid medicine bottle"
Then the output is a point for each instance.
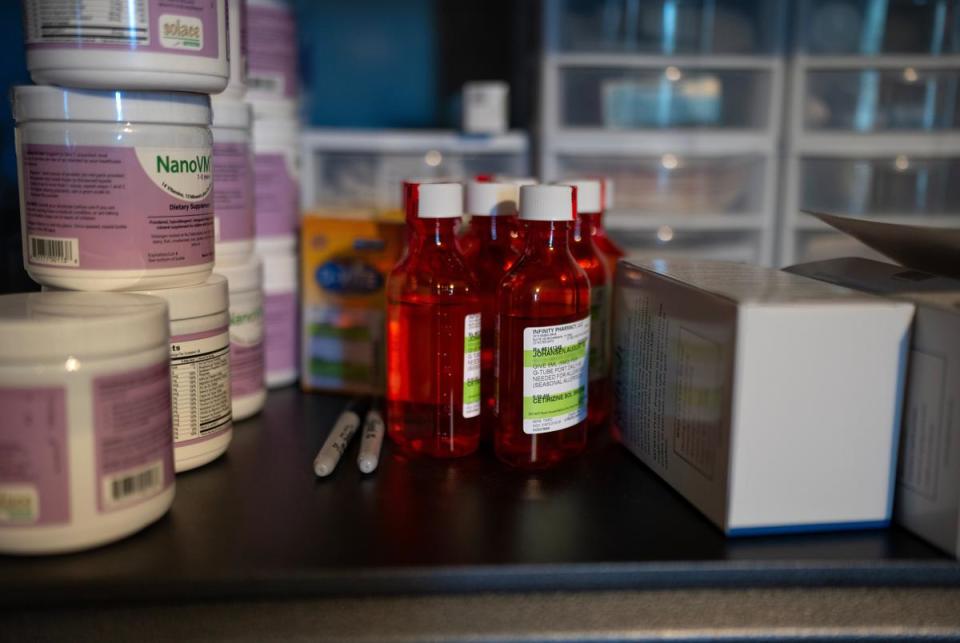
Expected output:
(433, 334)
(610, 250)
(585, 251)
(489, 247)
(543, 334)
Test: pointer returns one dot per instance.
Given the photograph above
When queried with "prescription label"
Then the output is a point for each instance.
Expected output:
(555, 363)
(34, 463)
(200, 385)
(599, 321)
(471, 365)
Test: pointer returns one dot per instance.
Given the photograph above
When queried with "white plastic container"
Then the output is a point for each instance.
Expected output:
(281, 313)
(85, 436)
(174, 45)
(485, 108)
(237, 28)
(275, 167)
(233, 187)
(247, 386)
(199, 371)
(115, 187)
(271, 51)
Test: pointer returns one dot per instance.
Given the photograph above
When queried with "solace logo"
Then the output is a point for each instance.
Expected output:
(181, 32)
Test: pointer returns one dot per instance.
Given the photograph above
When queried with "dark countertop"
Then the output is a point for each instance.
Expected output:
(257, 524)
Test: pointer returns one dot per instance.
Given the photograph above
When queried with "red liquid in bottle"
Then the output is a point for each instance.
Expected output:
(543, 334)
(433, 342)
(489, 247)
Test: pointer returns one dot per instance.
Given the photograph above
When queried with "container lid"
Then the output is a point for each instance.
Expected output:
(547, 202)
(230, 112)
(440, 201)
(589, 194)
(209, 298)
(607, 194)
(279, 272)
(491, 199)
(45, 326)
(242, 276)
(274, 109)
(284, 132)
(43, 102)
(286, 244)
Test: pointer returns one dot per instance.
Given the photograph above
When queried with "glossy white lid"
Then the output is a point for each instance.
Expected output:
(244, 276)
(491, 199)
(231, 112)
(45, 102)
(208, 298)
(46, 326)
(589, 194)
(440, 201)
(546, 203)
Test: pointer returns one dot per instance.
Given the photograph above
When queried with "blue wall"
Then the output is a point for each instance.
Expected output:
(368, 63)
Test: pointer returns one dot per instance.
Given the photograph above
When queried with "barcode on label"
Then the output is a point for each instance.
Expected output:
(130, 485)
(58, 252)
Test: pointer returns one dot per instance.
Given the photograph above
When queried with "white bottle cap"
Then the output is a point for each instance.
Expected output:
(607, 194)
(516, 180)
(244, 276)
(440, 201)
(491, 199)
(589, 194)
(547, 203)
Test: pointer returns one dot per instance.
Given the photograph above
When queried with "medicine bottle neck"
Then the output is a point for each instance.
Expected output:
(589, 223)
(547, 240)
(495, 228)
(434, 234)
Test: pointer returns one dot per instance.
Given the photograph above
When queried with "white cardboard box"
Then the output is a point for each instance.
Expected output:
(928, 477)
(770, 401)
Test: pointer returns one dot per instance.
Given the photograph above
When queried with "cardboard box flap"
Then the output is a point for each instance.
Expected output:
(929, 248)
(742, 283)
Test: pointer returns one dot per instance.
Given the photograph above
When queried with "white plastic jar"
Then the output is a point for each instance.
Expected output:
(281, 317)
(276, 168)
(115, 187)
(232, 179)
(199, 371)
(86, 453)
(271, 51)
(173, 45)
(247, 386)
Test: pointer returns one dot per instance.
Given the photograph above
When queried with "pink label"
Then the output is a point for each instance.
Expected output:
(233, 191)
(117, 208)
(280, 319)
(276, 196)
(272, 51)
(34, 458)
(246, 369)
(187, 27)
(133, 435)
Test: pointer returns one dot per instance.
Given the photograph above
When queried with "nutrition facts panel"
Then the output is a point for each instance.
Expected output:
(97, 21)
(200, 385)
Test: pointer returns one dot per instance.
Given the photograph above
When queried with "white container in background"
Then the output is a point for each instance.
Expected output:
(281, 317)
(173, 45)
(233, 189)
(271, 51)
(485, 107)
(115, 187)
(199, 371)
(85, 439)
(275, 167)
(237, 28)
(247, 386)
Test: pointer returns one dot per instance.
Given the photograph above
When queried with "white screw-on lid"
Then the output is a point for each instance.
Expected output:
(516, 180)
(187, 302)
(280, 272)
(547, 203)
(492, 199)
(274, 109)
(440, 201)
(242, 277)
(589, 194)
(607, 194)
(44, 102)
(48, 326)
(231, 112)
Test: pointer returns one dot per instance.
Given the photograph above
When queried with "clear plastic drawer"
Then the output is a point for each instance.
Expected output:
(678, 184)
(899, 186)
(868, 27)
(667, 241)
(667, 97)
(910, 98)
(669, 26)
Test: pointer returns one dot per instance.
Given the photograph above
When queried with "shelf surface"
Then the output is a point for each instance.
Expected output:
(258, 524)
